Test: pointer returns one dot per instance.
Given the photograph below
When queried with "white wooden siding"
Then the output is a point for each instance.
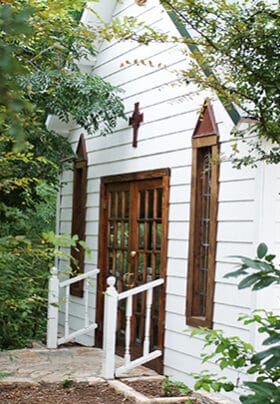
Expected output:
(164, 140)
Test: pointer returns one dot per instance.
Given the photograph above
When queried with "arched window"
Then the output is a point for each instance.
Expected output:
(203, 220)
(79, 213)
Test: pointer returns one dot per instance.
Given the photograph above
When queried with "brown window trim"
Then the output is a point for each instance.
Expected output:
(205, 137)
(79, 214)
(136, 176)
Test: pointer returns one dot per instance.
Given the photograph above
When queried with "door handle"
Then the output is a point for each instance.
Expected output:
(129, 279)
(133, 254)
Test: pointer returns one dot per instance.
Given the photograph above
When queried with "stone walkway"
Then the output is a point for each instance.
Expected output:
(81, 364)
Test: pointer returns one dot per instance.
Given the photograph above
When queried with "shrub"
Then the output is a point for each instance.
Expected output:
(232, 352)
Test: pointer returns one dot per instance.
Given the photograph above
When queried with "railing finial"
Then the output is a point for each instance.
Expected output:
(111, 281)
(54, 271)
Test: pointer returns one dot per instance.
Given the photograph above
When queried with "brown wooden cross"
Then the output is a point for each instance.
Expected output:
(135, 121)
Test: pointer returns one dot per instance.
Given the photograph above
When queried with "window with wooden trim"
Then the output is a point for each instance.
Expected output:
(79, 214)
(203, 220)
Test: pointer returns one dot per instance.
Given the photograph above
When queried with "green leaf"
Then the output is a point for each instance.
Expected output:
(228, 386)
(264, 389)
(261, 250)
(206, 387)
(255, 264)
(274, 351)
(248, 281)
(272, 362)
(264, 283)
(270, 257)
(273, 339)
(236, 273)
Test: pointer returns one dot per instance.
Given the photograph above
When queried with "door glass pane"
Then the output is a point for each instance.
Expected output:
(111, 204)
(126, 214)
(159, 202)
(158, 236)
(125, 262)
(141, 268)
(149, 276)
(119, 204)
(141, 214)
(150, 207)
(125, 235)
(158, 260)
(118, 263)
(119, 234)
(111, 235)
(141, 228)
(110, 262)
(150, 235)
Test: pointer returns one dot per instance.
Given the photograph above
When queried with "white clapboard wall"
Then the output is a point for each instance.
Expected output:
(170, 114)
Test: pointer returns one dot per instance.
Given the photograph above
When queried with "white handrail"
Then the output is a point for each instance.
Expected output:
(110, 326)
(141, 288)
(53, 307)
(78, 278)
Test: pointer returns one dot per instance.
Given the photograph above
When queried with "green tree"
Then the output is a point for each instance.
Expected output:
(239, 43)
(234, 51)
(40, 42)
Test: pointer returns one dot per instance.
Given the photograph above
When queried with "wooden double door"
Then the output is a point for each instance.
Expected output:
(133, 244)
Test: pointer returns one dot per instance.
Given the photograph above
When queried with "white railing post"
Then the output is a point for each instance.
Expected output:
(128, 315)
(53, 309)
(86, 302)
(148, 322)
(110, 326)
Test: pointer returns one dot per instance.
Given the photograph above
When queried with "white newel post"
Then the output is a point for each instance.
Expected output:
(53, 309)
(110, 326)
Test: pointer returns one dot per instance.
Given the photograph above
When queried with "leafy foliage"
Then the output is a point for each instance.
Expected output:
(172, 388)
(67, 383)
(40, 43)
(235, 51)
(24, 174)
(24, 274)
(90, 101)
(237, 43)
(232, 352)
(263, 268)
(207, 381)
(23, 291)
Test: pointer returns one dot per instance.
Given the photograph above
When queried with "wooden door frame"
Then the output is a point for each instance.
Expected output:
(163, 174)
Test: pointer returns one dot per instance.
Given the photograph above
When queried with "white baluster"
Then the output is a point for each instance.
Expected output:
(53, 301)
(86, 302)
(66, 320)
(148, 322)
(110, 326)
(128, 314)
